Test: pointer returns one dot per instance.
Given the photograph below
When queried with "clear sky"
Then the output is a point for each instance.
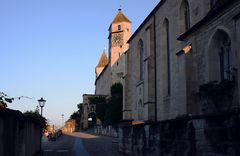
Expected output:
(49, 49)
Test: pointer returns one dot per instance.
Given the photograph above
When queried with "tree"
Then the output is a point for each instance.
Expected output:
(109, 111)
(4, 99)
(80, 108)
(35, 116)
(114, 108)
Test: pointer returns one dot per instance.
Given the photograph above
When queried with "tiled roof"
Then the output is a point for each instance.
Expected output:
(120, 17)
(103, 60)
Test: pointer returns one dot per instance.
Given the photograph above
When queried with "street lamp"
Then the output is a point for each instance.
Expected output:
(41, 103)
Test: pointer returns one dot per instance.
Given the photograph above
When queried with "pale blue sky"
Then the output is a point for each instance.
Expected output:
(49, 49)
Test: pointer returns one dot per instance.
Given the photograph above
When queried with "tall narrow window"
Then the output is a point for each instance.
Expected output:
(225, 59)
(166, 49)
(141, 52)
(187, 16)
(184, 16)
(168, 58)
(119, 27)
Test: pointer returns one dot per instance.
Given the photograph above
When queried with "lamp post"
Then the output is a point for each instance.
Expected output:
(41, 103)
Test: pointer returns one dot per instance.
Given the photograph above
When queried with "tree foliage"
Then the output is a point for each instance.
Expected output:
(116, 89)
(109, 111)
(216, 91)
(5, 99)
(35, 116)
(114, 110)
(80, 108)
(75, 115)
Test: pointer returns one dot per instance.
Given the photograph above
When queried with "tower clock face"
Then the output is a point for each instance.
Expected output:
(117, 39)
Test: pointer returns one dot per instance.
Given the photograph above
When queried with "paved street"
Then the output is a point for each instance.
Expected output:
(80, 144)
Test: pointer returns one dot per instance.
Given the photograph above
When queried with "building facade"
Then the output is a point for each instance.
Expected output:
(112, 70)
(174, 52)
(182, 70)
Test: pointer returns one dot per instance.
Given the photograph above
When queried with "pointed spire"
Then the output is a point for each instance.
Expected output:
(120, 8)
(120, 17)
(103, 60)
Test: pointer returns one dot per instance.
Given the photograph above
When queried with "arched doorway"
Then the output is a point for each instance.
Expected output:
(92, 119)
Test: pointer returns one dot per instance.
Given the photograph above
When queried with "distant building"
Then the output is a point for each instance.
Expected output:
(70, 126)
(89, 116)
(111, 69)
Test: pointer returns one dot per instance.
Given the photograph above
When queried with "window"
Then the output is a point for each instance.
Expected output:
(141, 51)
(225, 59)
(184, 16)
(166, 50)
(119, 27)
(220, 59)
(187, 16)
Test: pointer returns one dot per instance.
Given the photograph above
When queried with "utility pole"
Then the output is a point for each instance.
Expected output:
(62, 120)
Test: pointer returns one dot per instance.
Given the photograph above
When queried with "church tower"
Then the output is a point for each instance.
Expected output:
(119, 33)
(101, 64)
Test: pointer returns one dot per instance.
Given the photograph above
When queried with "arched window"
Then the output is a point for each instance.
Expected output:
(184, 16)
(140, 110)
(225, 59)
(166, 50)
(220, 56)
(141, 52)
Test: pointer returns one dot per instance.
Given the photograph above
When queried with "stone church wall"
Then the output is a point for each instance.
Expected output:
(172, 104)
(215, 135)
(103, 82)
(140, 93)
(118, 70)
(202, 63)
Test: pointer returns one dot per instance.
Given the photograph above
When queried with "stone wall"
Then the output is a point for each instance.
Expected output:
(212, 135)
(19, 136)
(111, 131)
(171, 85)
(102, 82)
(139, 103)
